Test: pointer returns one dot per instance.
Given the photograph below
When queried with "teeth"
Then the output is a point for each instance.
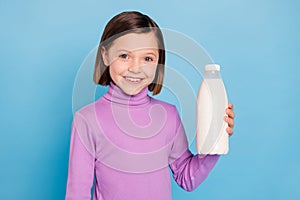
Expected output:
(133, 79)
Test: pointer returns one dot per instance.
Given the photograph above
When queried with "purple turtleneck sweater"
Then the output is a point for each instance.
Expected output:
(127, 143)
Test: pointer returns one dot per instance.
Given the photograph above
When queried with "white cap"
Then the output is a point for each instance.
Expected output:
(212, 67)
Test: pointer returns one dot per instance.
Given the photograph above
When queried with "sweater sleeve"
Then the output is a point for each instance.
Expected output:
(81, 169)
(188, 170)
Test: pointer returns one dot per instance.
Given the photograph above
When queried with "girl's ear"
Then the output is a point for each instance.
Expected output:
(104, 56)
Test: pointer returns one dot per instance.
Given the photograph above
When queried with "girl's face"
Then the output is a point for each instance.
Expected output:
(132, 61)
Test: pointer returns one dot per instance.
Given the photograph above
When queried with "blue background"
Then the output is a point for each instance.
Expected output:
(43, 44)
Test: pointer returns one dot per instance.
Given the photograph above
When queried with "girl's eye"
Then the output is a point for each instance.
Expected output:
(123, 56)
(148, 59)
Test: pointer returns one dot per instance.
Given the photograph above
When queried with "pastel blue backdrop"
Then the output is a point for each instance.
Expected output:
(43, 44)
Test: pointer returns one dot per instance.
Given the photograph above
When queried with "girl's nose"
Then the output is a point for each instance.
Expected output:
(134, 66)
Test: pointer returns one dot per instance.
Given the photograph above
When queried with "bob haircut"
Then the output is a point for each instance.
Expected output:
(122, 24)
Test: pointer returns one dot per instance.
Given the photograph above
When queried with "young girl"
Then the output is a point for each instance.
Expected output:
(126, 139)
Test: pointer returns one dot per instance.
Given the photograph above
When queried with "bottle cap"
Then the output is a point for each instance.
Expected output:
(212, 67)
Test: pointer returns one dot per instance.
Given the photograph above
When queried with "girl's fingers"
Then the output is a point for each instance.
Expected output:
(230, 106)
(229, 131)
(230, 113)
(229, 121)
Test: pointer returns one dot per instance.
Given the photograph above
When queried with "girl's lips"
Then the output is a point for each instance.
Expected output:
(133, 79)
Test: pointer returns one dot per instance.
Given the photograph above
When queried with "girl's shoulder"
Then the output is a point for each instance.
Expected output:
(86, 112)
(168, 106)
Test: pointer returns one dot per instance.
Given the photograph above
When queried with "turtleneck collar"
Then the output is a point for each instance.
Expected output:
(117, 95)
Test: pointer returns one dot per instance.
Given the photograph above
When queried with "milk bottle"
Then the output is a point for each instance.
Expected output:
(211, 135)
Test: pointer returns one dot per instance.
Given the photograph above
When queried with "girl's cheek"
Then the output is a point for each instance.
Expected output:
(152, 71)
(121, 65)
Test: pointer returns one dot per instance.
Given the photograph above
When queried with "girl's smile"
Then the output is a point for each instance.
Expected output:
(133, 80)
(132, 61)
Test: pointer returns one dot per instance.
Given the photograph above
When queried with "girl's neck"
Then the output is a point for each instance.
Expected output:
(118, 96)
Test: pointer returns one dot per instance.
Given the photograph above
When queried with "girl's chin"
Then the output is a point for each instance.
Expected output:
(133, 90)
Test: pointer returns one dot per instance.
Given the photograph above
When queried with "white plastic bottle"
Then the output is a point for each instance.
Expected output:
(211, 135)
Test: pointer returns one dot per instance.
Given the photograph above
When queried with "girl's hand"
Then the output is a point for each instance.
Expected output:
(229, 119)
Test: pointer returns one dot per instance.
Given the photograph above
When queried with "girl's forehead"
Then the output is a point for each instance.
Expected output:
(135, 41)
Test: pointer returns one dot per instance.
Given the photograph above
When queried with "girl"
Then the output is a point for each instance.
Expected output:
(126, 139)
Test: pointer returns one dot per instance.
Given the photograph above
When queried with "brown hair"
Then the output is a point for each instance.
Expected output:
(119, 25)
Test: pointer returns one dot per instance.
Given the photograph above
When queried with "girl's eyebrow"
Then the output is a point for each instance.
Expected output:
(147, 51)
(120, 50)
(151, 53)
